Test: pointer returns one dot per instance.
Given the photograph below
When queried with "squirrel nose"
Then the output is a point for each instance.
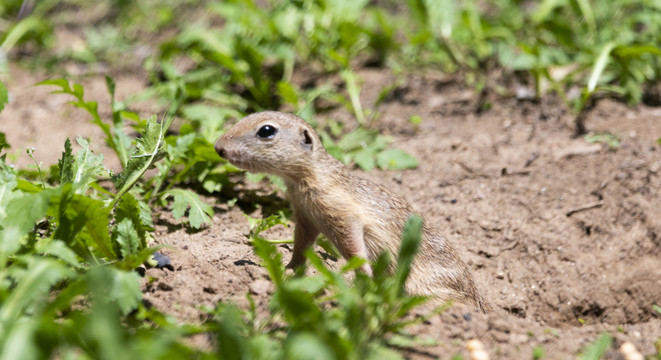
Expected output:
(220, 148)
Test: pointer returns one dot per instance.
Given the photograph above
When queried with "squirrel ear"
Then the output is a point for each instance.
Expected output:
(306, 142)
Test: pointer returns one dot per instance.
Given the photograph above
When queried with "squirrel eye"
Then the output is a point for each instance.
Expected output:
(266, 132)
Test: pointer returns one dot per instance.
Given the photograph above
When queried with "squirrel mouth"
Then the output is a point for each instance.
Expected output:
(238, 162)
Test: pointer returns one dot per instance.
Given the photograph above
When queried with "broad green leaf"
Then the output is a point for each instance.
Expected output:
(306, 345)
(82, 223)
(198, 212)
(365, 159)
(17, 341)
(228, 333)
(124, 289)
(33, 286)
(87, 167)
(58, 249)
(26, 210)
(395, 159)
(287, 92)
(15, 33)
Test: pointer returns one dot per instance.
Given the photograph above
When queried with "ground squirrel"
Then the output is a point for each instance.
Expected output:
(359, 217)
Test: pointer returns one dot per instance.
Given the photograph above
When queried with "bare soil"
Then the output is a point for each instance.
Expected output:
(563, 237)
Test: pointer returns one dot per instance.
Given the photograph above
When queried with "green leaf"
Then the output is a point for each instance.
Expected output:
(410, 244)
(123, 288)
(198, 212)
(147, 152)
(26, 210)
(597, 349)
(288, 93)
(257, 226)
(365, 159)
(18, 340)
(395, 159)
(8, 183)
(271, 259)
(599, 66)
(307, 345)
(82, 223)
(228, 332)
(66, 163)
(3, 144)
(58, 249)
(125, 235)
(129, 233)
(34, 285)
(87, 167)
(4, 99)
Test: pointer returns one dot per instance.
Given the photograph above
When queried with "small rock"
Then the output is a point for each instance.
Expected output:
(162, 261)
(260, 287)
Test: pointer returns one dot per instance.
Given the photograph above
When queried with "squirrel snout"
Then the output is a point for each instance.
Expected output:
(220, 148)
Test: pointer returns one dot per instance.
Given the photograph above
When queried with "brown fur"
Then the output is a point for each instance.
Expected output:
(360, 218)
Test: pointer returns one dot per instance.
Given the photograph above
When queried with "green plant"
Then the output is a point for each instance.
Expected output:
(597, 349)
(612, 140)
(137, 156)
(324, 317)
(538, 353)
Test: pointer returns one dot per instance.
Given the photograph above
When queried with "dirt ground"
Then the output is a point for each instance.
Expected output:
(563, 237)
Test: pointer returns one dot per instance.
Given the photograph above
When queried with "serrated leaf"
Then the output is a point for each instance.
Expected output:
(66, 163)
(116, 286)
(125, 235)
(198, 212)
(129, 233)
(148, 147)
(395, 159)
(597, 349)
